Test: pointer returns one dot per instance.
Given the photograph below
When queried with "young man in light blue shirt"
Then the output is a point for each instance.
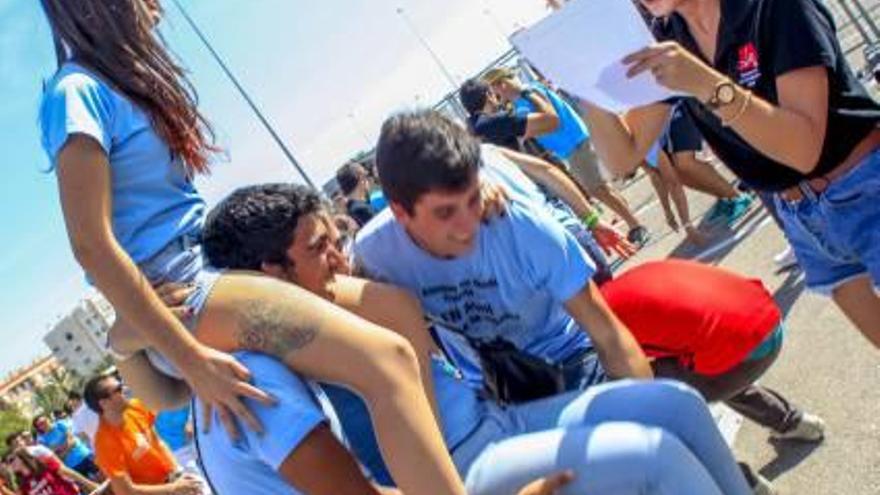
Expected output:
(521, 277)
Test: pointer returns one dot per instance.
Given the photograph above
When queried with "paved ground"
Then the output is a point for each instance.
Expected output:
(826, 366)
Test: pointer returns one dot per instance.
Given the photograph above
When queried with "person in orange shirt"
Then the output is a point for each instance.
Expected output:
(127, 448)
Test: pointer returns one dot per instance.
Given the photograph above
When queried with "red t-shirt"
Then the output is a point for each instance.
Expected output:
(706, 316)
(49, 483)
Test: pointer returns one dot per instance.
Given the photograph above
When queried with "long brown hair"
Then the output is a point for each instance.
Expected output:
(33, 464)
(116, 39)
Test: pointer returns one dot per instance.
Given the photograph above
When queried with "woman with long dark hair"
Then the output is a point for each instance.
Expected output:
(34, 477)
(769, 88)
(125, 139)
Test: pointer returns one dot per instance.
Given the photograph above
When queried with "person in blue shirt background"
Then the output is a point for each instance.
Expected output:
(569, 142)
(58, 436)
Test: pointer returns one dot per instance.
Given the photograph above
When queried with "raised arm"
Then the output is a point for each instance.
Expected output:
(618, 350)
(802, 110)
(561, 185)
(544, 119)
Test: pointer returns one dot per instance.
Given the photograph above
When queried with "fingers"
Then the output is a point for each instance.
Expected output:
(243, 413)
(558, 480)
(240, 370)
(206, 416)
(228, 423)
(174, 294)
(650, 58)
(244, 389)
(183, 312)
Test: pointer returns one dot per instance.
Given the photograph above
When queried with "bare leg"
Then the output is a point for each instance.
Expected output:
(663, 196)
(324, 342)
(702, 176)
(676, 190)
(860, 303)
(611, 198)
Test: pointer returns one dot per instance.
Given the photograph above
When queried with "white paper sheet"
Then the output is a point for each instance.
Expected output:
(580, 47)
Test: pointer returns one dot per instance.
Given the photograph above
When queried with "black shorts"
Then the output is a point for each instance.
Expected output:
(681, 133)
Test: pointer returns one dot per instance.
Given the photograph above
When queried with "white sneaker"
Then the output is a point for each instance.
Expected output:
(810, 428)
(785, 258)
(763, 486)
(759, 484)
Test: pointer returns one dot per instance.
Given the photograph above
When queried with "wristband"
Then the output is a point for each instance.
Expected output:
(591, 219)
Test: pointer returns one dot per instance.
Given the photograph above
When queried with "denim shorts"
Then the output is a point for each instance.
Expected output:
(181, 262)
(836, 234)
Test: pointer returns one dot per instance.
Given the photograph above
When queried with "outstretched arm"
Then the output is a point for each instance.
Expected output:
(618, 350)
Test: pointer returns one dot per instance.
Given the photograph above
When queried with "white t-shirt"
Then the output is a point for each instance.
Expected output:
(85, 421)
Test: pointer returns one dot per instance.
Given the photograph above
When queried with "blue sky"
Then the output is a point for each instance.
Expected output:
(325, 73)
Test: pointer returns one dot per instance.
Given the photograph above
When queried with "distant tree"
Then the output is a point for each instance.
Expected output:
(52, 395)
(11, 420)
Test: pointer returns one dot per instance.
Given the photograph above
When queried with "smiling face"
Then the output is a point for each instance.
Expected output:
(314, 257)
(444, 223)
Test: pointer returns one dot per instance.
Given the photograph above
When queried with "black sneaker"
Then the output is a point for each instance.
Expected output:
(638, 235)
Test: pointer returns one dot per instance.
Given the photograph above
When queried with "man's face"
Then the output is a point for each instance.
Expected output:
(493, 101)
(314, 255)
(443, 223)
(19, 442)
(113, 398)
(43, 424)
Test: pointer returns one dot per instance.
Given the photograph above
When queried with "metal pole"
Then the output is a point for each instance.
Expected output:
(866, 38)
(246, 96)
(360, 130)
(448, 75)
(867, 16)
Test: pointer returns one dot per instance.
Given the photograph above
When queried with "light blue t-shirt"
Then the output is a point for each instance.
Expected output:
(250, 464)
(171, 427)
(57, 436)
(571, 131)
(512, 284)
(154, 201)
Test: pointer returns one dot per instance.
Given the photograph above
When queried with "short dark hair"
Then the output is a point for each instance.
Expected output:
(12, 437)
(349, 175)
(74, 395)
(93, 393)
(422, 151)
(256, 224)
(37, 419)
(473, 95)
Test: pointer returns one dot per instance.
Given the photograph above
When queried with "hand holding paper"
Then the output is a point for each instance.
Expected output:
(581, 49)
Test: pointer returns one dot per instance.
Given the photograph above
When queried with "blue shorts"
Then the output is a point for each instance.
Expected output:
(681, 133)
(836, 234)
(181, 262)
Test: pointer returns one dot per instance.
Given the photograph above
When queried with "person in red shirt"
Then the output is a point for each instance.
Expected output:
(714, 330)
(34, 477)
(24, 440)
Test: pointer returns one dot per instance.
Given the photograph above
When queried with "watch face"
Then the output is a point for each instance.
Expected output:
(726, 94)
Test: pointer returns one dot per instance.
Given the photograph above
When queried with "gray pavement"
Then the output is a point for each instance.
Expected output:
(827, 367)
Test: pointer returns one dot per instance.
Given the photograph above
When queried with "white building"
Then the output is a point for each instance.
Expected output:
(78, 339)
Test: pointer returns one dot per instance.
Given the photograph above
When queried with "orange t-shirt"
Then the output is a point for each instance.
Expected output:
(134, 448)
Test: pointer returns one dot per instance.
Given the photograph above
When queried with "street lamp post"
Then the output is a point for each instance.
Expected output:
(244, 94)
(409, 24)
(360, 130)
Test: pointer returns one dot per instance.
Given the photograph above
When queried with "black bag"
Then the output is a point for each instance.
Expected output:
(510, 375)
